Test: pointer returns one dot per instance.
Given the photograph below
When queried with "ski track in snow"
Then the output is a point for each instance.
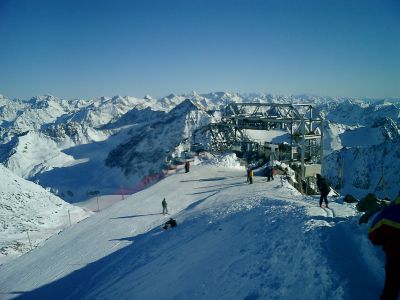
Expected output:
(233, 241)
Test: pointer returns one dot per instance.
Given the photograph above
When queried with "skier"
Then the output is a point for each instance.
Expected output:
(270, 173)
(385, 232)
(324, 189)
(164, 207)
(187, 166)
(250, 176)
(170, 223)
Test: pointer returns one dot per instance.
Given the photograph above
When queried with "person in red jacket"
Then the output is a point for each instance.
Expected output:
(385, 232)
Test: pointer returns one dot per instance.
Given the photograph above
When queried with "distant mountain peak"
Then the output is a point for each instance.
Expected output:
(117, 97)
(43, 97)
(185, 106)
(171, 96)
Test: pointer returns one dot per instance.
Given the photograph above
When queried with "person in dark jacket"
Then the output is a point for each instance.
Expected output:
(187, 166)
(170, 223)
(324, 189)
(385, 232)
(164, 207)
(268, 172)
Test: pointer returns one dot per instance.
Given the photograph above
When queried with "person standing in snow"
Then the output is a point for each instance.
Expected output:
(251, 176)
(164, 207)
(385, 232)
(324, 189)
(268, 173)
(187, 166)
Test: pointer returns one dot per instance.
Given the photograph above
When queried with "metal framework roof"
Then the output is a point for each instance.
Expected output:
(300, 120)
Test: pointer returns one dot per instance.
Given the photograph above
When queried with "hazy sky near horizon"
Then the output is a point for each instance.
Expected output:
(91, 48)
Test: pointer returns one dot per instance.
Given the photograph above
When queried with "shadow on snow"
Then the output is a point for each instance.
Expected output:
(135, 216)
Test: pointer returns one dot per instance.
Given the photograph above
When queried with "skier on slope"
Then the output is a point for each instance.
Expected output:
(268, 172)
(324, 189)
(164, 207)
(385, 232)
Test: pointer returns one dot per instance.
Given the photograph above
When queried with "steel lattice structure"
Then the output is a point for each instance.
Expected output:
(304, 125)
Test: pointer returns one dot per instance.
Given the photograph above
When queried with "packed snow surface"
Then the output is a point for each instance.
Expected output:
(233, 241)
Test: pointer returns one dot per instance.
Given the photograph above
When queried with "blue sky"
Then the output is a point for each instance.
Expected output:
(86, 49)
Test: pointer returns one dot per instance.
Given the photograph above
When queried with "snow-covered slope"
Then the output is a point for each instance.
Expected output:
(233, 241)
(144, 153)
(352, 112)
(39, 113)
(370, 158)
(36, 153)
(27, 208)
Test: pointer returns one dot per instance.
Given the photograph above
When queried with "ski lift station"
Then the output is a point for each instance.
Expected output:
(290, 133)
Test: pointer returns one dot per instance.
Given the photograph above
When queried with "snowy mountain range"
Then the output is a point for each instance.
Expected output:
(364, 140)
(75, 147)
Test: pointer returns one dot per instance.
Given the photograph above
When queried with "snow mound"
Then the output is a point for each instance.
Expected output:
(226, 161)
